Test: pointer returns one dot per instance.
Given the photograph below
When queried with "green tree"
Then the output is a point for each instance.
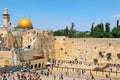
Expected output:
(116, 32)
(72, 33)
(117, 24)
(83, 34)
(99, 31)
(107, 30)
(59, 33)
(96, 31)
(92, 29)
(66, 31)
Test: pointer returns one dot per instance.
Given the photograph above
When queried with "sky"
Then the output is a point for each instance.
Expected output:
(57, 14)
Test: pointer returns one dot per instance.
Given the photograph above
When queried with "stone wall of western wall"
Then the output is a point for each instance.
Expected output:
(87, 48)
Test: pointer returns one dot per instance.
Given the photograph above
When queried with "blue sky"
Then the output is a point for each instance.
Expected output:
(57, 14)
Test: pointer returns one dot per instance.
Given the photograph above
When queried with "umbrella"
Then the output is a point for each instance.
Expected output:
(48, 63)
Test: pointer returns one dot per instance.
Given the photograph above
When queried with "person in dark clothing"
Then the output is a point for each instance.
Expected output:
(92, 77)
(47, 73)
(54, 77)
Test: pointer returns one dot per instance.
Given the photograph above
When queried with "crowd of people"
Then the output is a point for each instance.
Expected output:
(37, 75)
(27, 75)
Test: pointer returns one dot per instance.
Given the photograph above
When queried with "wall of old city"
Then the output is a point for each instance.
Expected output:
(87, 48)
(46, 45)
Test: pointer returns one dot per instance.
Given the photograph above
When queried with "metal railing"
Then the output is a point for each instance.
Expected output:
(113, 73)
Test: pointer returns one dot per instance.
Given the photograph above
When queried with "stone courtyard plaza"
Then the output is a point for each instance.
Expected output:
(68, 74)
(22, 45)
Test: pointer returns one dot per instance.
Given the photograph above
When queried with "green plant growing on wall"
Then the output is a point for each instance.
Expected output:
(95, 61)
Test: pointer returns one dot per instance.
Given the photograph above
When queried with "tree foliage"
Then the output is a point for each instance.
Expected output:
(101, 54)
(99, 31)
(72, 33)
(59, 33)
(95, 61)
(108, 56)
(118, 55)
(66, 31)
(107, 30)
(117, 24)
(92, 29)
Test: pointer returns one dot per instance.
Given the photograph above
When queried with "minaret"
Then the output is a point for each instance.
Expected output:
(6, 18)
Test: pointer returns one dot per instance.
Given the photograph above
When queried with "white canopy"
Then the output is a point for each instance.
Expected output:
(48, 63)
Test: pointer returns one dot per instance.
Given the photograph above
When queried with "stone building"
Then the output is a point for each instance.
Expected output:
(21, 44)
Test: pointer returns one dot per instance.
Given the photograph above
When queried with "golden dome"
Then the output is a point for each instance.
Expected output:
(25, 23)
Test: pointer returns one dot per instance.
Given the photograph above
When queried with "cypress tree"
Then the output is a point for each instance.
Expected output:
(107, 30)
(92, 29)
(66, 31)
(72, 31)
(99, 31)
(117, 23)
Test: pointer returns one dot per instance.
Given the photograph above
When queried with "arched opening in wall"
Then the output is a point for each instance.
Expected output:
(39, 65)
(31, 66)
(35, 66)
(7, 63)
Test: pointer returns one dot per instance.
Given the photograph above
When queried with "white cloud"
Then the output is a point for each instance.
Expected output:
(116, 16)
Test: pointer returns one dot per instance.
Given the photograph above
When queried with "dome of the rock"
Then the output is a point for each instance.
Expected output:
(25, 23)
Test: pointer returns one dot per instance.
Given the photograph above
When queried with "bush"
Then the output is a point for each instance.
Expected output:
(118, 55)
(95, 61)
